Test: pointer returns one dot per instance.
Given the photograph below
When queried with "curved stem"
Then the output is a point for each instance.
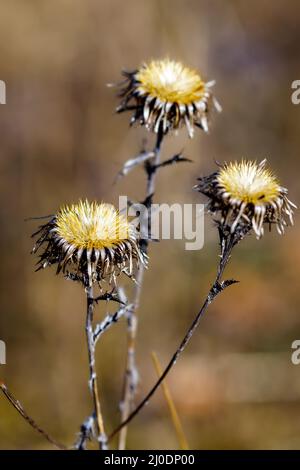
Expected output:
(131, 372)
(17, 405)
(217, 287)
(102, 438)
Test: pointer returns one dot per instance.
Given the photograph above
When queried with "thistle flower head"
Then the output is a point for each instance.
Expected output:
(247, 193)
(170, 81)
(89, 226)
(165, 95)
(89, 242)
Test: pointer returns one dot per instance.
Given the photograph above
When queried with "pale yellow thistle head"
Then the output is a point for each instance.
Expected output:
(166, 95)
(247, 194)
(89, 242)
(170, 81)
(249, 182)
(92, 225)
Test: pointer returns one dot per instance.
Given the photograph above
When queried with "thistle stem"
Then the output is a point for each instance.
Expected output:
(102, 438)
(217, 287)
(131, 374)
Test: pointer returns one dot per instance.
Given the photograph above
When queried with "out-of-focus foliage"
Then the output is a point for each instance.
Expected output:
(235, 387)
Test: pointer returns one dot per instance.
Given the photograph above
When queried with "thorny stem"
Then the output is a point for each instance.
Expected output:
(102, 438)
(131, 374)
(227, 243)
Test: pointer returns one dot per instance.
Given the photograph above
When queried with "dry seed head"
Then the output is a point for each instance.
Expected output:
(166, 95)
(89, 242)
(89, 226)
(247, 182)
(170, 81)
(246, 192)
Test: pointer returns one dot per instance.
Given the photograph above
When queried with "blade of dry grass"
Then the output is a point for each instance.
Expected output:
(174, 415)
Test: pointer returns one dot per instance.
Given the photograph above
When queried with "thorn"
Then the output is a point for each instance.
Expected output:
(228, 282)
(219, 164)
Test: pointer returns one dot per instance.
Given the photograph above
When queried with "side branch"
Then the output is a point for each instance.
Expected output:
(109, 320)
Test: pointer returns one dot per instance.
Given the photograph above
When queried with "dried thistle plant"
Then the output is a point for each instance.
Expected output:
(91, 243)
(243, 197)
(164, 95)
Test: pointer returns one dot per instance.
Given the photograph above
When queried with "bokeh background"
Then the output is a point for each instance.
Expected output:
(235, 386)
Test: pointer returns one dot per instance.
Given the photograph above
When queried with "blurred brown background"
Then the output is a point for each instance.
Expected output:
(235, 386)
